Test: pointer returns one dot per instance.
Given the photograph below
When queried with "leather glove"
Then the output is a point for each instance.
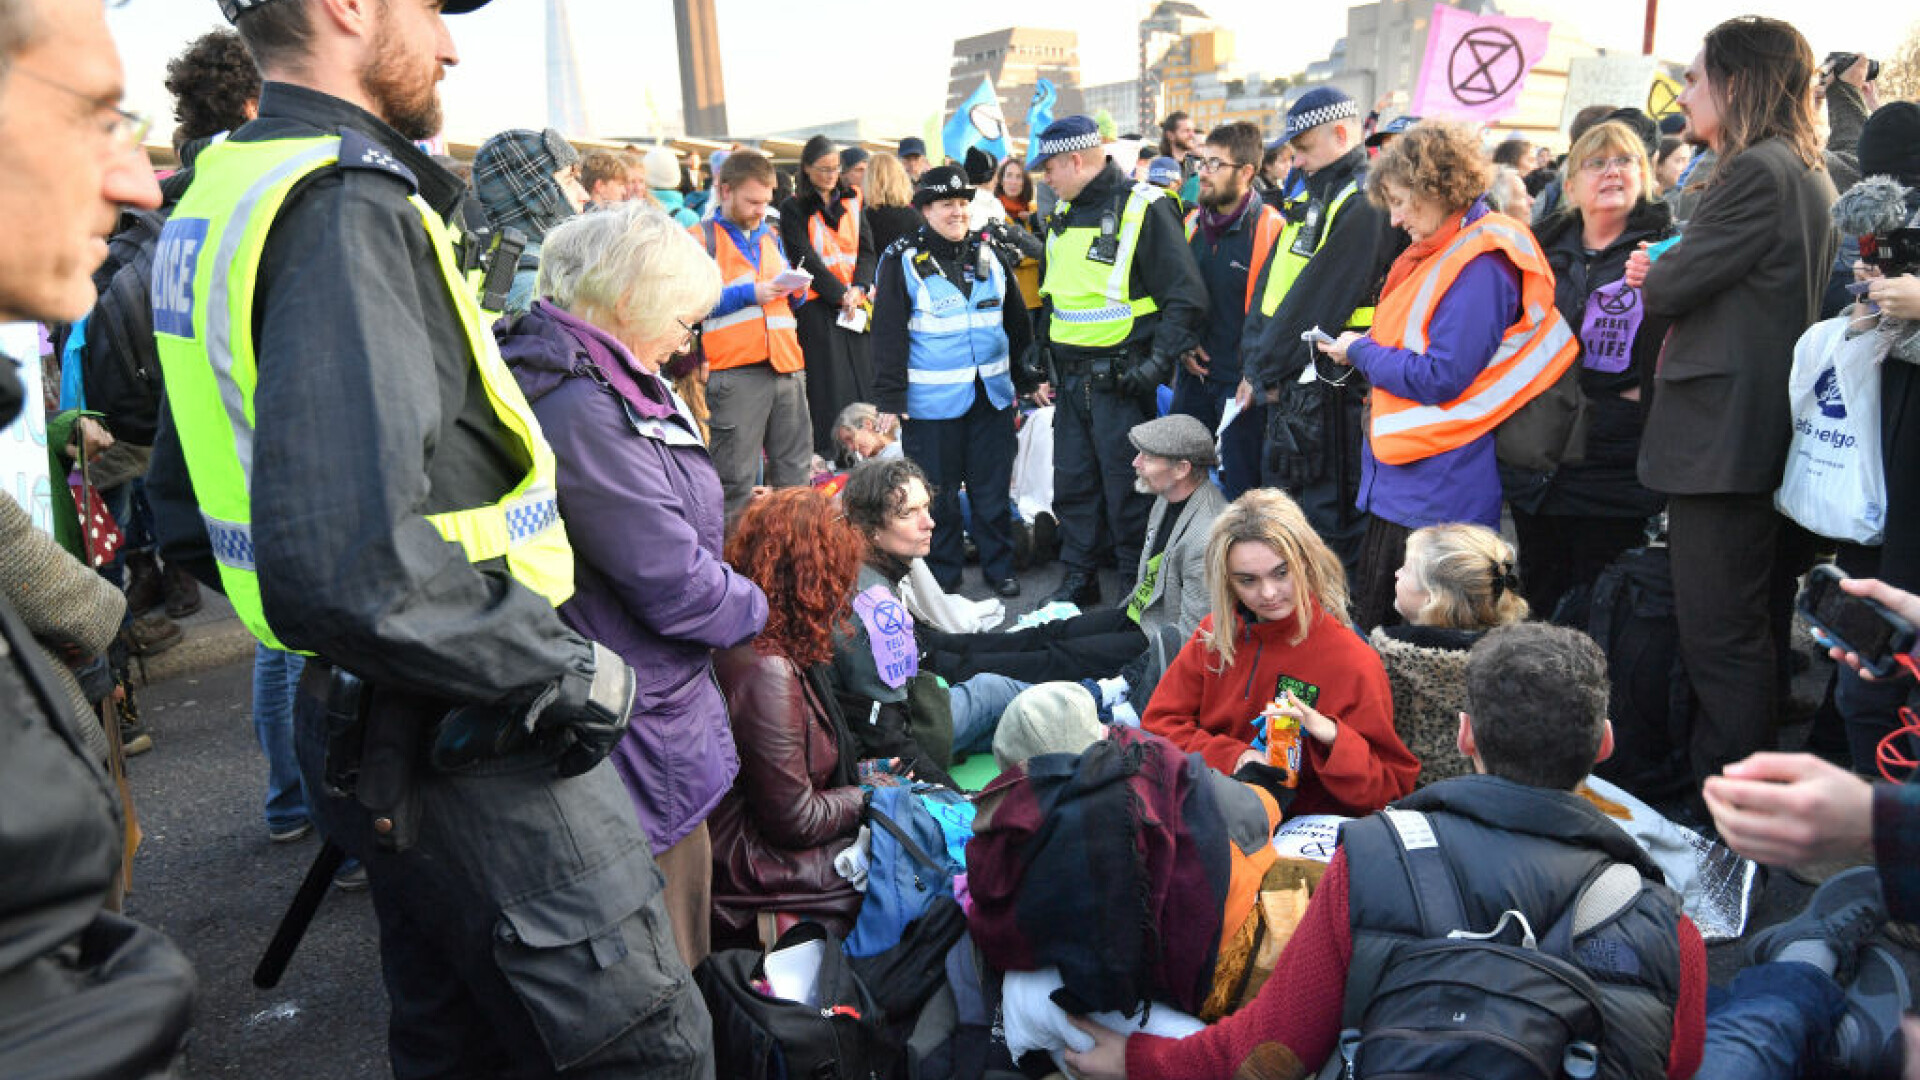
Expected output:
(1146, 375)
(583, 714)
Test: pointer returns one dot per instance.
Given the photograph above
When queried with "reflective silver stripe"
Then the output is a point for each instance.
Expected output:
(745, 278)
(232, 542)
(219, 328)
(780, 322)
(956, 375)
(1423, 301)
(1117, 280)
(966, 319)
(1547, 339)
(745, 314)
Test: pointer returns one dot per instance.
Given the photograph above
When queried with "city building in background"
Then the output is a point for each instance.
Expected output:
(566, 105)
(703, 94)
(1162, 30)
(1119, 100)
(1198, 76)
(1014, 59)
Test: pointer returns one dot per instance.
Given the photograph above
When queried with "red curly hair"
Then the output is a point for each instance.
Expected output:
(800, 550)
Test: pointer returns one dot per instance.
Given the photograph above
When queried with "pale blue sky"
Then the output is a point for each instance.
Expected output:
(889, 62)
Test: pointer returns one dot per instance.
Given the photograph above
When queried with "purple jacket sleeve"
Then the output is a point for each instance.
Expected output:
(1467, 326)
(627, 521)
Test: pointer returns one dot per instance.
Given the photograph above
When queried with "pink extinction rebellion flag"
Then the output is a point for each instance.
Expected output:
(1476, 64)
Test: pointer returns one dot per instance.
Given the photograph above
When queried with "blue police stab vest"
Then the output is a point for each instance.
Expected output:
(954, 339)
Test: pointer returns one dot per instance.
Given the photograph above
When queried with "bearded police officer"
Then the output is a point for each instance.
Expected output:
(347, 457)
(1121, 299)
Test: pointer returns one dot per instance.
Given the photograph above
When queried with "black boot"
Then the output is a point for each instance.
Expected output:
(145, 590)
(183, 593)
(1081, 588)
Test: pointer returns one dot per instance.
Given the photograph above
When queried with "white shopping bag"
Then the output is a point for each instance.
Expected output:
(1835, 482)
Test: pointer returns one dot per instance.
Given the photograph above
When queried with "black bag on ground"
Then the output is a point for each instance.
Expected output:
(1631, 615)
(902, 978)
(759, 1037)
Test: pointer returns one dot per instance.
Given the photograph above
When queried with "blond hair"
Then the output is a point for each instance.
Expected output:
(1268, 516)
(887, 182)
(1605, 140)
(1467, 572)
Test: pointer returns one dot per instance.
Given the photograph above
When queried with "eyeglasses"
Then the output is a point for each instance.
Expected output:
(1601, 166)
(1214, 164)
(127, 130)
(824, 169)
(692, 340)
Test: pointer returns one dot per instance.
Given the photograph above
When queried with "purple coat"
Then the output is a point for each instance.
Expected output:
(643, 510)
(1462, 484)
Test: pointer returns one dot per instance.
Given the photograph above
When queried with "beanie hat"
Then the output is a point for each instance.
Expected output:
(1067, 134)
(1890, 143)
(1048, 718)
(1164, 172)
(1320, 105)
(851, 157)
(979, 166)
(1642, 125)
(663, 168)
(513, 176)
(817, 147)
(941, 182)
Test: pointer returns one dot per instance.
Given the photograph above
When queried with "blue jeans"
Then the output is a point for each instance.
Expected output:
(977, 705)
(1773, 1020)
(276, 675)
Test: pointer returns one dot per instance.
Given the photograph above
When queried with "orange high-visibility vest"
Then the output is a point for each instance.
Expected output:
(1266, 236)
(838, 248)
(758, 331)
(1536, 351)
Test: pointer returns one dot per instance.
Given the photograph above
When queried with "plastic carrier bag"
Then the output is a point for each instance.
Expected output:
(1835, 481)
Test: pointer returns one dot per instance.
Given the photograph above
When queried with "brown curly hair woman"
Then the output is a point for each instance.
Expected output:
(796, 802)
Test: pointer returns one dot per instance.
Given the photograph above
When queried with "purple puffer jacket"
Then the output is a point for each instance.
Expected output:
(643, 510)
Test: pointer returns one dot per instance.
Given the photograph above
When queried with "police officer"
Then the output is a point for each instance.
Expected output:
(948, 318)
(347, 457)
(1325, 272)
(1121, 299)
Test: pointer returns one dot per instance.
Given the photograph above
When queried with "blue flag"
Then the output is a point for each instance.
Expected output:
(1039, 116)
(977, 122)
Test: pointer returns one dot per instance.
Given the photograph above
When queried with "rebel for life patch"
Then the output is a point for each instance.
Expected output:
(890, 632)
(174, 261)
(1606, 332)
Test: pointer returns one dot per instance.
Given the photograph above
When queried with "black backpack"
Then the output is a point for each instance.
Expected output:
(1630, 613)
(760, 1037)
(1462, 1003)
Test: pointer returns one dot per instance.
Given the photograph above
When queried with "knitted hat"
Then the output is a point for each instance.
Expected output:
(1890, 143)
(911, 146)
(663, 168)
(1164, 172)
(1177, 436)
(1320, 105)
(979, 166)
(941, 182)
(817, 147)
(233, 9)
(1642, 125)
(1048, 718)
(513, 176)
(851, 157)
(1067, 134)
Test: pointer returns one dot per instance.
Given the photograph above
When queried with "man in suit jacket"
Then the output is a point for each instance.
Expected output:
(1741, 286)
(1169, 597)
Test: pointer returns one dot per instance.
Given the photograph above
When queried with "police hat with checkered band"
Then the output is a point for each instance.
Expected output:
(941, 182)
(233, 9)
(1320, 105)
(1068, 134)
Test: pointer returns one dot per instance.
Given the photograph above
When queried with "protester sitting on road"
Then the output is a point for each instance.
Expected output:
(1465, 334)
(1456, 584)
(1278, 642)
(1141, 637)
(1047, 718)
(1574, 520)
(644, 513)
(530, 181)
(876, 665)
(865, 433)
(797, 801)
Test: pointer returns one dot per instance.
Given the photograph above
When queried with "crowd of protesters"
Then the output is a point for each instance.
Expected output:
(604, 524)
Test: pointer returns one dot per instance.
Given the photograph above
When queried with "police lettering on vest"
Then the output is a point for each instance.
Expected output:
(1093, 302)
(755, 332)
(1535, 351)
(954, 339)
(205, 273)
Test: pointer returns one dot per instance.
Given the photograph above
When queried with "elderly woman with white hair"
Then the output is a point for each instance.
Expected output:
(621, 292)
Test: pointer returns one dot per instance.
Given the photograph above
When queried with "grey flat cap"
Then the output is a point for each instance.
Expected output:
(1177, 436)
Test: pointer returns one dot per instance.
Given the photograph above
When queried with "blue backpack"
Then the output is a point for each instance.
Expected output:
(910, 862)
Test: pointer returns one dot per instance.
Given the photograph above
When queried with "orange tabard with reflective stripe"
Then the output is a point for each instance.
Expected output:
(838, 248)
(1536, 350)
(1266, 236)
(758, 331)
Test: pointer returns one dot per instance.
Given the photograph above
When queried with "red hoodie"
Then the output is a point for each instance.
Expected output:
(1210, 712)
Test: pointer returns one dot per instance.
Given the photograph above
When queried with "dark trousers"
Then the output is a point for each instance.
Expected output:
(1095, 645)
(1734, 563)
(1094, 499)
(524, 934)
(1241, 445)
(1560, 552)
(1382, 551)
(839, 369)
(975, 449)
